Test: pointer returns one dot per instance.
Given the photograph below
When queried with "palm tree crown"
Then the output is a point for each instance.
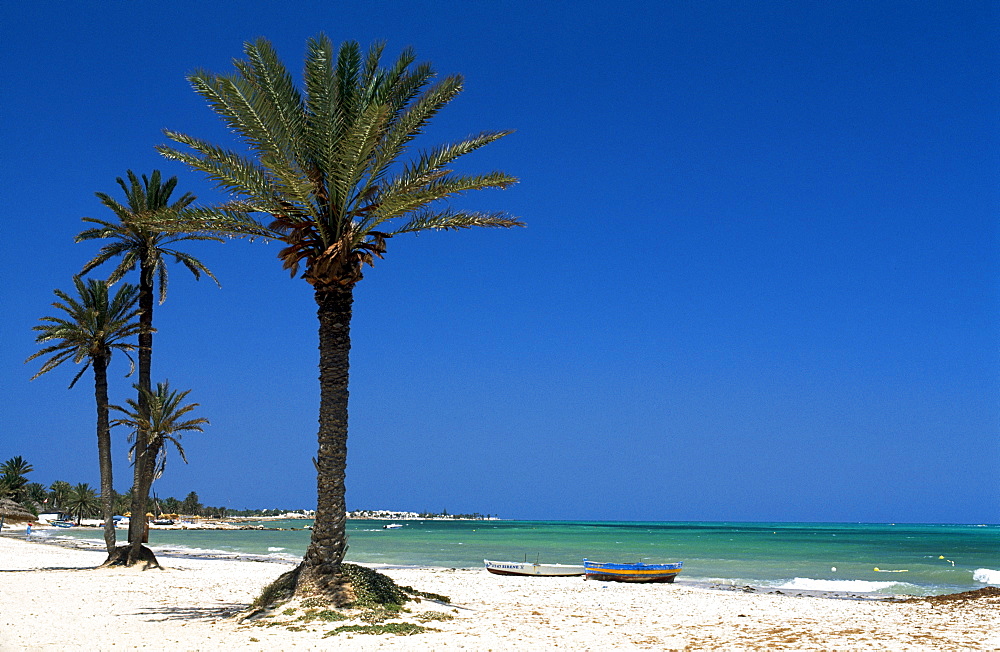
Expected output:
(163, 424)
(59, 493)
(12, 480)
(83, 501)
(94, 327)
(326, 165)
(138, 243)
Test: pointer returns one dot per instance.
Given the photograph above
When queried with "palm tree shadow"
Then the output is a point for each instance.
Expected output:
(47, 568)
(194, 613)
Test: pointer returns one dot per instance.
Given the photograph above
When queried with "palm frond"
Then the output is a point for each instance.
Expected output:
(456, 219)
(397, 204)
(228, 169)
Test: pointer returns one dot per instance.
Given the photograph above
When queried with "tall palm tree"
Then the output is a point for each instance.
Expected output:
(94, 327)
(84, 501)
(146, 247)
(59, 492)
(325, 165)
(163, 423)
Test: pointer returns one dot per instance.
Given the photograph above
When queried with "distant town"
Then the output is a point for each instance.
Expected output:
(381, 514)
(370, 514)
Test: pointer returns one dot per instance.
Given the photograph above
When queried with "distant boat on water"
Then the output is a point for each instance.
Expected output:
(391, 526)
(595, 570)
(529, 568)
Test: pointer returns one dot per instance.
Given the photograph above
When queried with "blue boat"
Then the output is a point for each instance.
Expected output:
(595, 570)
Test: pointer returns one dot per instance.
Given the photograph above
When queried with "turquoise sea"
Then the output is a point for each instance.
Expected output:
(914, 559)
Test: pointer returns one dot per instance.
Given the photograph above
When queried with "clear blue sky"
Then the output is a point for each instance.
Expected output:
(759, 279)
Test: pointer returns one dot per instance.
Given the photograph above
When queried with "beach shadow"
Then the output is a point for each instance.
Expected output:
(47, 568)
(194, 613)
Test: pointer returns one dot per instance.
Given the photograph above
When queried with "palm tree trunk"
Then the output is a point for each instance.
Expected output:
(137, 529)
(320, 569)
(100, 363)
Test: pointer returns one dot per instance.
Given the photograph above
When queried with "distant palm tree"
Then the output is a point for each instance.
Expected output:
(35, 492)
(163, 424)
(12, 474)
(59, 493)
(95, 326)
(171, 505)
(122, 502)
(83, 501)
(146, 247)
(325, 165)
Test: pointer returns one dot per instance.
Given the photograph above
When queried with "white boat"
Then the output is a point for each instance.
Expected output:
(532, 568)
(391, 526)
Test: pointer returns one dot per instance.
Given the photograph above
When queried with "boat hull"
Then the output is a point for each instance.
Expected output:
(528, 569)
(631, 572)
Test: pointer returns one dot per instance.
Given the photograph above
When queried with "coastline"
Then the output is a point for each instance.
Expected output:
(208, 555)
(51, 598)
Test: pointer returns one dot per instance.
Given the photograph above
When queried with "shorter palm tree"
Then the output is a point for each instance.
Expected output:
(94, 327)
(164, 424)
(83, 501)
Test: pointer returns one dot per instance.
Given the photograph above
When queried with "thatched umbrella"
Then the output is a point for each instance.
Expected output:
(11, 511)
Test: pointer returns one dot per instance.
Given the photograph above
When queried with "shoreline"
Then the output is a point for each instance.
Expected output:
(193, 604)
(167, 552)
(836, 561)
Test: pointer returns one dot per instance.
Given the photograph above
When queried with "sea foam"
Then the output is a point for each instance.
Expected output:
(853, 586)
(987, 576)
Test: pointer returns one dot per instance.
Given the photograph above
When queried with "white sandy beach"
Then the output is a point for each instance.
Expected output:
(50, 598)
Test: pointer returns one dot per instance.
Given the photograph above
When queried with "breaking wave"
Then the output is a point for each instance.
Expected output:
(852, 586)
(987, 576)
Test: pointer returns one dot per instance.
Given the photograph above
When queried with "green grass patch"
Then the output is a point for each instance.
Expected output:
(372, 588)
(397, 629)
(428, 616)
(325, 615)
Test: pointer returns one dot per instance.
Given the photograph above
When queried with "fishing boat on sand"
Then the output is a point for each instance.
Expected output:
(532, 568)
(595, 570)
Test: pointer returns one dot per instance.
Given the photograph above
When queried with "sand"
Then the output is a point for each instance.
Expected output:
(51, 598)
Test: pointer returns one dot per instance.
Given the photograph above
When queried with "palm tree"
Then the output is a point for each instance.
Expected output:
(145, 247)
(163, 424)
(83, 501)
(35, 493)
(12, 474)
(122, 502)
(325, 167)
(94, 327)
(59, 492)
